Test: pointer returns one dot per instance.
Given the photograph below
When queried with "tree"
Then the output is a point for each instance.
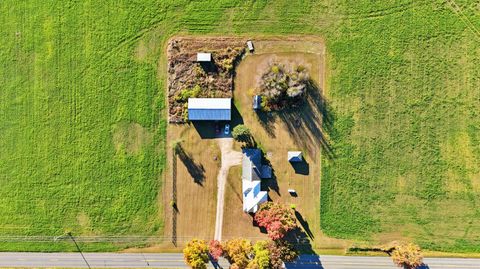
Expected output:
(238, 252)
(276, 218)
(241, 133)
(215, 249)
(196, 254)
(262, 256)
(284, 86)
(407, 256)
(281, 251)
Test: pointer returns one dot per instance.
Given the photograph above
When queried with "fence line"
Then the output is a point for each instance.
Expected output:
(174, 198)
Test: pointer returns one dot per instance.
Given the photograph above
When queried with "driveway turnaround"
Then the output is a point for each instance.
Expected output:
(175, 260)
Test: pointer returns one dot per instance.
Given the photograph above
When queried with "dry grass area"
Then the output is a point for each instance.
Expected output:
(277, 133)
(196, 183)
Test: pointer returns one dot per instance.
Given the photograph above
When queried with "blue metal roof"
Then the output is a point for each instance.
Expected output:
(209, 114)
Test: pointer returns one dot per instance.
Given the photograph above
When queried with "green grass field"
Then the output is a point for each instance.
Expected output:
(82, 124)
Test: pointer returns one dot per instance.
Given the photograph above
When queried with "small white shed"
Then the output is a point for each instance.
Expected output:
(204, 57)
(295, 156)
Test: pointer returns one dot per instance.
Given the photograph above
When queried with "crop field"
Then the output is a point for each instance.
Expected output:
(83, 124)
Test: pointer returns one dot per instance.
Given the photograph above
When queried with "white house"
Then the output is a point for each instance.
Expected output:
(252, 173)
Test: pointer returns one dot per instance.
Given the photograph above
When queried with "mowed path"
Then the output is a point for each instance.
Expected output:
(229, 158)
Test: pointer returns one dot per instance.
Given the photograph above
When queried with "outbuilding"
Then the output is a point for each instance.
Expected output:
(295, 156)
(204, 57)
(213, 109)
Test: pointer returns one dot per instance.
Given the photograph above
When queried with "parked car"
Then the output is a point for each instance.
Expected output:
(250, 45)
(217, 128)
(227, 129)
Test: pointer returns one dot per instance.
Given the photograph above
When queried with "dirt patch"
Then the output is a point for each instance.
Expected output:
(130, 137)
(185, 74)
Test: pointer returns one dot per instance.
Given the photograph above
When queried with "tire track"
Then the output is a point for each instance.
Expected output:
(460, 14)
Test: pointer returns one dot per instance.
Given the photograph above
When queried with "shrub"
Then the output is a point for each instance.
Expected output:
(407, 256)
(276, 218)
(188, 93)
(265, 104)
(280, 252)
(262, 256)
(237, 251)
(196, 254)
(241, 133)
(275, 69)
(215, 249)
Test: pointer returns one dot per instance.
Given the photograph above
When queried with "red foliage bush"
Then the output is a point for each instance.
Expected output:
(215, 249)
(277, 219)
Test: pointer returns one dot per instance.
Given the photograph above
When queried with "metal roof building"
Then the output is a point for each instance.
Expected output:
(204, 57)
(209, 109)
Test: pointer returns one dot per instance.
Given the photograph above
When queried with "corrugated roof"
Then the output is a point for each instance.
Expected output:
(209, 108)
(204, 57)
(209, 114)
(209, 103)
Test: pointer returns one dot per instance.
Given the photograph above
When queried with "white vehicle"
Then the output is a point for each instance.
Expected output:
(250, 45)
(227, 129)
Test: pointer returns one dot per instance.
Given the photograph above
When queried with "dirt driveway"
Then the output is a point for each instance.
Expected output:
(229, 158)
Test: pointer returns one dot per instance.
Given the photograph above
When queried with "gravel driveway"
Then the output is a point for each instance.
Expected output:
(229, 158)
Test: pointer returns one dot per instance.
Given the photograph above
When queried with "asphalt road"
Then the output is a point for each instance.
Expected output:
(175, 260)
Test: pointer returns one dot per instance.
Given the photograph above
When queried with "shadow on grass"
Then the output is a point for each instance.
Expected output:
(301, 240)
(307, 122)
(196, 170)
(304, 224)
(267, 121)
(302, 168)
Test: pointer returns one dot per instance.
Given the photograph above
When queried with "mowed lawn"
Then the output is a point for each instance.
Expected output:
(82, 127)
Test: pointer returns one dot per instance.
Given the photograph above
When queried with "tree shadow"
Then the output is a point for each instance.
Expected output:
(304, 224)
(302, 168)
(423, 266)
(267, 120)
(175, 208)
(196, 170)
(310, 121)
(214, 263)
(301, 240)
(305, 262)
